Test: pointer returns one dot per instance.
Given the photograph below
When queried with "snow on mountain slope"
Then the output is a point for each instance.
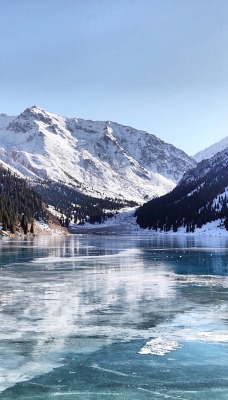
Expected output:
(5, 120)
(98, 158)
(199, 198)
(212, 150)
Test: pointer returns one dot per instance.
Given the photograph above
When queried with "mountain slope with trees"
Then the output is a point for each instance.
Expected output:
(200, 197)
(76, 207)
(19, 203)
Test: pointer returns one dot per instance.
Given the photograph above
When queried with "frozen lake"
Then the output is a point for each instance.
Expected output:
(125, 318)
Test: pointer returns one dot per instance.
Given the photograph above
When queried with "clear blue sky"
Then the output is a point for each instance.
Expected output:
(156, 65)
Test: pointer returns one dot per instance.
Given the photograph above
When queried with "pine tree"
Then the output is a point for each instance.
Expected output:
(32, 228)
(26, 228)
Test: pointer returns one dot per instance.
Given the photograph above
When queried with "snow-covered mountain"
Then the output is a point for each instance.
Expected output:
(200, 197)
(103, 159)
(5, 120)
(212, 150)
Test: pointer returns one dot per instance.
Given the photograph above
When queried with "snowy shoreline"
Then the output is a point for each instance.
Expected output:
(124, 223)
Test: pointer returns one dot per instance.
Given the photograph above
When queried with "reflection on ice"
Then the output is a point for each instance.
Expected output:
(201, 280)
(76, 295)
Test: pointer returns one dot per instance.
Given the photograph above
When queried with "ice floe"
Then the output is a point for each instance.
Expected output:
(159, 346)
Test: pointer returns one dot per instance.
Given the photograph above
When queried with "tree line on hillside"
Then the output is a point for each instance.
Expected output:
(19, 204)
(77, 207)
(191, 204)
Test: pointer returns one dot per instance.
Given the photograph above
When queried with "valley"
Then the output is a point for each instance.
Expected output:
(90, 171)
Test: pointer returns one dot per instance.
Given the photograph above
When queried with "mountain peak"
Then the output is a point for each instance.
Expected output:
(34, 110)
(99, 158)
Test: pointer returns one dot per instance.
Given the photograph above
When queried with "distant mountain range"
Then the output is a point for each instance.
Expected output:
(100, 159)
(212, 150)
(200, 197)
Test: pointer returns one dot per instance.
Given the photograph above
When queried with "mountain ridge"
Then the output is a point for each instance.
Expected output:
(210, 151)
(99, 158)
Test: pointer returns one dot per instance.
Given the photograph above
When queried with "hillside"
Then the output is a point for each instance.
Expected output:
(200, 197)
(19, 204)
(73, 206)
(212, 150)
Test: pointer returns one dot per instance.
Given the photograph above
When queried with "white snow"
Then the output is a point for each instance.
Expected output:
(220, 198)
(48, 229)
(212, 150)
(104, 159)
(5, 120)
(125, 223)
(159, 346)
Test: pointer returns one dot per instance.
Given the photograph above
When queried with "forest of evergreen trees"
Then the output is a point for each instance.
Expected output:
(76, 206)
(19, 204)
(191, 204)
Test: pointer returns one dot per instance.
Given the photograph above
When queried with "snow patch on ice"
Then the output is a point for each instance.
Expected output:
(159, 347)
